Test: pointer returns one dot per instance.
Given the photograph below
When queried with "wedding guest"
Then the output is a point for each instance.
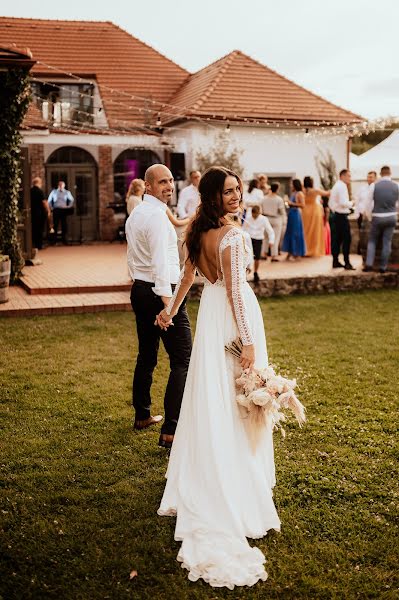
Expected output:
(362, 197)
(294, 239)
(326, 226)
(312, 217)
(134, 194)
(254, 195)
(274, 209)
(189, 197)
(257, 225)
(382, 208)
(263, 184)
(340, 206)
(61, 201)
(39, 212)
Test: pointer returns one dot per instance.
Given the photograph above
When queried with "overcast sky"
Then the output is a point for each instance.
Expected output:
(345, 50)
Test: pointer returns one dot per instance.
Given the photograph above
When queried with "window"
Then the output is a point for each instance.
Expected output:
(64, 103)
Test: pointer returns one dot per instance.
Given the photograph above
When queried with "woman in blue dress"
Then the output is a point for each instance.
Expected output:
(294, 238)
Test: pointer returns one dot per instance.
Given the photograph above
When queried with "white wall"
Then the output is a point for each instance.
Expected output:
(270, 151)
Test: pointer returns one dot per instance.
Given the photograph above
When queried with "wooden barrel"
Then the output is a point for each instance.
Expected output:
(5, 270)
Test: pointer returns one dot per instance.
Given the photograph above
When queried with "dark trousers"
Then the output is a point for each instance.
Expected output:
(340, 236)
(177, 342)
(60, 215)
(38, 219)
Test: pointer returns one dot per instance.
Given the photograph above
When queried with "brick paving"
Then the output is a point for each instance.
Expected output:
(93, 278)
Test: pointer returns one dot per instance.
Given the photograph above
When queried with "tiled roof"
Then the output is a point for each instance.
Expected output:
(235, 87)
(103, 51)
(238, 87)
(33, 118)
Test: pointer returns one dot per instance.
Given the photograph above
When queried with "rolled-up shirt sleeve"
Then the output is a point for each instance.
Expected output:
(70, 199)
(158, 235)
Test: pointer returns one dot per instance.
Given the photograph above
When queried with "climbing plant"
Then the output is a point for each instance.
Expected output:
(14, 102)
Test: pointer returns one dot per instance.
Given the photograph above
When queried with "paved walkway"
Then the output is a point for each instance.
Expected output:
(95, 278)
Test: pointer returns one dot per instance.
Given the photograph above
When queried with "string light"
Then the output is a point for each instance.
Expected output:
(320, 127)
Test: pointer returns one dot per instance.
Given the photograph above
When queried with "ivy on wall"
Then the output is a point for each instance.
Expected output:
(14, 102)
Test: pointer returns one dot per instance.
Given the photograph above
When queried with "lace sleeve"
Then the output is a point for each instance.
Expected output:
(186, 280)
(232, 262)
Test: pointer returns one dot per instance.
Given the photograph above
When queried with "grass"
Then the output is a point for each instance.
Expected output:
(80, 489)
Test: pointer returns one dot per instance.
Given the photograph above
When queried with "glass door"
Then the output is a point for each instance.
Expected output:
(84, 220)
(81, 182)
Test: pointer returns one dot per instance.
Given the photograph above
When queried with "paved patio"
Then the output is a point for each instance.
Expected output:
(93, 278)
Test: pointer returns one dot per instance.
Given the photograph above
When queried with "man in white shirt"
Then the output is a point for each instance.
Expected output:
(189, 197)
(363, 195)
(257, 225)
(153, 262)
(340, 207)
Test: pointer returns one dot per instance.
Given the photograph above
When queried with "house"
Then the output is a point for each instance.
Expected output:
(106, 106)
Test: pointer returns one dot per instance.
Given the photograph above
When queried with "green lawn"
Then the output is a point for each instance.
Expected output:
(80, 489)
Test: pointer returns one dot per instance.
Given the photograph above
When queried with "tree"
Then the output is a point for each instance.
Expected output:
(14, 102)
(221, 153)
(362, 143)
(326, 168)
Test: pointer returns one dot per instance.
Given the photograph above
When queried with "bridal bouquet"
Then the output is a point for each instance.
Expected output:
(264, 395)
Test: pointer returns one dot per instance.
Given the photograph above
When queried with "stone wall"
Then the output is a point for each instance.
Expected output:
(318, 285)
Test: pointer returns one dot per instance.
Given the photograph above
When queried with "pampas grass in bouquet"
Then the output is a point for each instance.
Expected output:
(263, 396)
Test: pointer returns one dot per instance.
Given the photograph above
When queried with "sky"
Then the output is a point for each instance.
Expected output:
(344, 50)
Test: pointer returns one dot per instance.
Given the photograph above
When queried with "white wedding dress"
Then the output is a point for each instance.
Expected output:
(219, 489)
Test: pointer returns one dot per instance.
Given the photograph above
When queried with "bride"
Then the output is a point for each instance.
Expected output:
(218, 487)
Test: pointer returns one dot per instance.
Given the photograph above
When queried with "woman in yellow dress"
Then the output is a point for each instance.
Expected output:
(312, 217)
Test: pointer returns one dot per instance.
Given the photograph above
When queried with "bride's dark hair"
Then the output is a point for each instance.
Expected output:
(210, 210)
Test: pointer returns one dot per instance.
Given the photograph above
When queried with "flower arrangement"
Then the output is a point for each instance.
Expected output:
(263, 395)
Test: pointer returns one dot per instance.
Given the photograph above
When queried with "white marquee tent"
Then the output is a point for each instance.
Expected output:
(385, 153)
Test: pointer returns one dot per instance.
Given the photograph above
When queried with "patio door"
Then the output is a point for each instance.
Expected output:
(81, 182)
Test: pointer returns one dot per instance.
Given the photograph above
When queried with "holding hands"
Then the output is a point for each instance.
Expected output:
(163, 320)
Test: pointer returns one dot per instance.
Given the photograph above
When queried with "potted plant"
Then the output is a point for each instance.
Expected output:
(5, 270)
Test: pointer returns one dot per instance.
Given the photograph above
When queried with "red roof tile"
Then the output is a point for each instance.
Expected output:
(237, 87)
(33, 118)
(102, 50)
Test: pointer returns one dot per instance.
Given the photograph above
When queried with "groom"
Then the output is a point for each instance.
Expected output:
(153, 261)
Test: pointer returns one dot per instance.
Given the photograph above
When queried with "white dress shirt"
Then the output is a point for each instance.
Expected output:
(258, 227)
(132, 202)
(255, 197)
(152, 253)
(362, 199)
(339, 199)
(189, 199)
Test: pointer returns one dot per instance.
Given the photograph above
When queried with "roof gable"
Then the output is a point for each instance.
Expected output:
(117, 60)
(237, 87)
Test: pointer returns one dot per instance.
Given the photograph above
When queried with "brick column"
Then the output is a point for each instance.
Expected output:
(37, 168)
(107, 225)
